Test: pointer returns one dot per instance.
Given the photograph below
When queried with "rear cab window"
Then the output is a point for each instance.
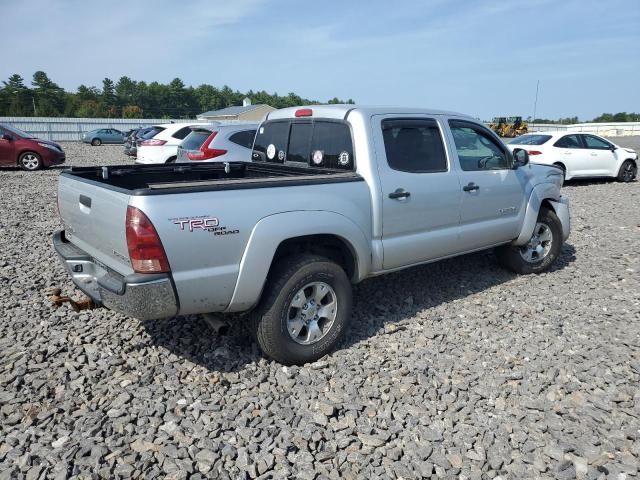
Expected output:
(309, 142)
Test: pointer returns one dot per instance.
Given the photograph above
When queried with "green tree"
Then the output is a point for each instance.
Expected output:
(48, 95)
(108, 99)
(16, 97)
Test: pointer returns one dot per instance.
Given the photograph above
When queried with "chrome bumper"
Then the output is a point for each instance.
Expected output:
(142, 296)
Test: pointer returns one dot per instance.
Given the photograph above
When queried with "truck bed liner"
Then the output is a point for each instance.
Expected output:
(176, 178)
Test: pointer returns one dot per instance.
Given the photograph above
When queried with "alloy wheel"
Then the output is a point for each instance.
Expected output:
(312, 312)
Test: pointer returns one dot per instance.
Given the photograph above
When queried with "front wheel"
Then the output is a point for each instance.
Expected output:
(304, 311)
(628, 172)
(96, 142)
(30, 161)
(542, 249)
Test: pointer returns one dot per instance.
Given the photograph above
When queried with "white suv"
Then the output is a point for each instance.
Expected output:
(163, 147)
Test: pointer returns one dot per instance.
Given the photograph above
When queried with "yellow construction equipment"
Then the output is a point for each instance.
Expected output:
(509, 127)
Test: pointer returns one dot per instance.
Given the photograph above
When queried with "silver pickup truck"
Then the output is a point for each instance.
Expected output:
(334, 195)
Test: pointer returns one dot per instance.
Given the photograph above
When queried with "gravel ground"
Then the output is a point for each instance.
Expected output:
(453, 370)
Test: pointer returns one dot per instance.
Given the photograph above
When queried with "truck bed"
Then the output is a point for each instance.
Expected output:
(179, 178)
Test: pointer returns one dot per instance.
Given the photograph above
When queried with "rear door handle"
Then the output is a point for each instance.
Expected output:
(399, 194)
(471, 187)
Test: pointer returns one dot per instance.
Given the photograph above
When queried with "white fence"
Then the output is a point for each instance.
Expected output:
(70, 129)
(618, 129)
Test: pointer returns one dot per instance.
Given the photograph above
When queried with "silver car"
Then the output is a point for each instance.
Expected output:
(218, 142)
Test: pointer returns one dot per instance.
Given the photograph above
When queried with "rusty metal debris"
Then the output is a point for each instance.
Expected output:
(84, 304)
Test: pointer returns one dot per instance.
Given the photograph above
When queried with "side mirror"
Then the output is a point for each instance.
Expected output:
(521, 157)
(613, 148)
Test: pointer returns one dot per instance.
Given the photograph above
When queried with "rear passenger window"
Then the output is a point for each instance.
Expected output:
(182, 133)
(414, 145)
(272, 137)
(569, 141)
(244, 139)
(477, 149)
(331, 145)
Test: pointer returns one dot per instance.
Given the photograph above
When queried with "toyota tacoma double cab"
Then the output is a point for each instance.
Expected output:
(333, 195)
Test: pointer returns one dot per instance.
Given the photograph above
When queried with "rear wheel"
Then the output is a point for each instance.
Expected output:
(96, 141)
(30, 161)
(541, 250)
(304, 311)
(628, 172)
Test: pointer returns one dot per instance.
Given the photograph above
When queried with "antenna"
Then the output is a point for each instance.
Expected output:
(535, 104)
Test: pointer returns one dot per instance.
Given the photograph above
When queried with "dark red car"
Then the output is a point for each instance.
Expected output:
(26, 151)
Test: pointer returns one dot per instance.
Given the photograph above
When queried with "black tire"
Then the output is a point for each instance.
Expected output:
(30, 161)
(171, 160)
(96, 142)
(269, 321)
(513, 257)
(628, 171)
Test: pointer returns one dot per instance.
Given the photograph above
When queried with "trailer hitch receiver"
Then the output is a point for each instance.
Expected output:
(84, 304)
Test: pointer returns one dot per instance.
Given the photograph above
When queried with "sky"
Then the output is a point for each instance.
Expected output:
(480, 57)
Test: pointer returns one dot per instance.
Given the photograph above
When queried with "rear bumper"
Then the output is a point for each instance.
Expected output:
(142, 296)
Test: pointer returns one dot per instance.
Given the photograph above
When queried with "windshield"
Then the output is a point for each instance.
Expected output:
(530, 140)
(17, 131)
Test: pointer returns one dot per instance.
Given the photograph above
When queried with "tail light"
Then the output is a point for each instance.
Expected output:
(535, 152)
(145, 248)
(304, 112)
(206, 153)
(152, 142)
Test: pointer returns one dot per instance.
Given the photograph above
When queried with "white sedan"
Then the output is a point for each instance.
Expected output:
(579, 154)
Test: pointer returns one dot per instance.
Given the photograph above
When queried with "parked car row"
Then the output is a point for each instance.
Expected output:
(179, 142)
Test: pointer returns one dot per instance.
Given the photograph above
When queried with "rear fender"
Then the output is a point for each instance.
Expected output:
(271, 231)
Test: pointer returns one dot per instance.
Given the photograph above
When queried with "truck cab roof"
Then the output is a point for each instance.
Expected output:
(340, 111)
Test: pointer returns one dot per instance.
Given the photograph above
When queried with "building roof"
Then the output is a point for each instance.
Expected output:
(230, 111)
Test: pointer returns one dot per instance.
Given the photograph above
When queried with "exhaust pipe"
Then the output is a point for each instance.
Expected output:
(85, 303)
(216, 323)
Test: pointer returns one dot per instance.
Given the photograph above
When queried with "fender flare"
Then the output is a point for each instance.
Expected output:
(271, 231)
(540, 193)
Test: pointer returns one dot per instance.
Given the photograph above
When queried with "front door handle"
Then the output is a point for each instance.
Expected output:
(399, 194)
(471, 187)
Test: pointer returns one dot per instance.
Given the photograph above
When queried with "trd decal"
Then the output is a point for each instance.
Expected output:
(206, 223)
(195, 223)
